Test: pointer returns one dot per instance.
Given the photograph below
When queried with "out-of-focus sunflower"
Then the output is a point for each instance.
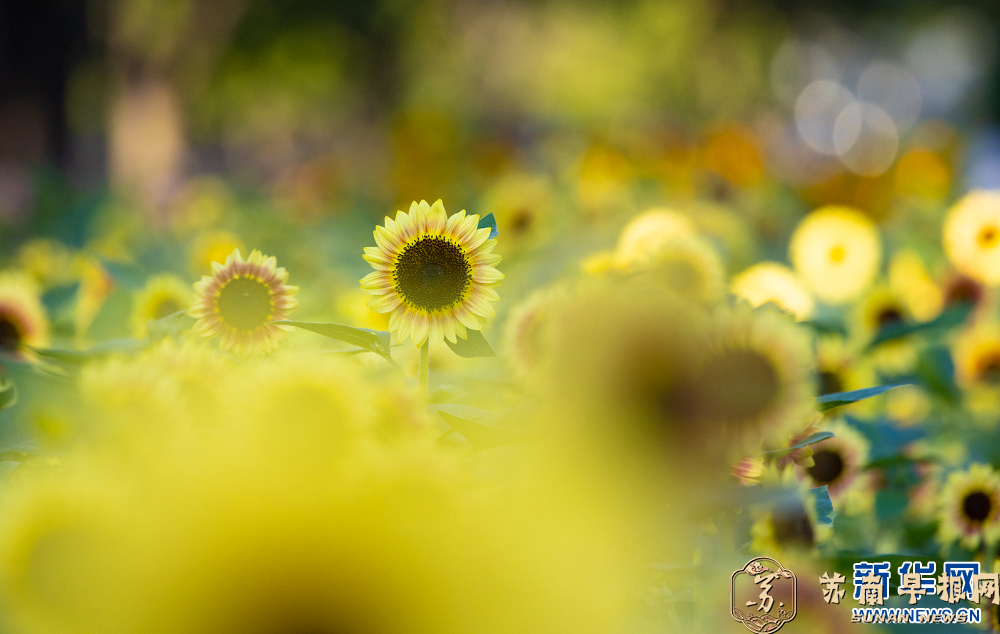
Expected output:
(212, 246)
(644, 236)
(49, 262)
(527, 333)
(162, 295)
(908, 277)
(976, 355)
(523, 207)
(961, 289)
(689, 267)
(771, 282)
(23, 322)
(240, 299)
(433, 273)
(836, 251)
(969, 507)
(789, 523)
(838, 463)
(972, 236)
(840, 368)
(753, 380)
(883, 308)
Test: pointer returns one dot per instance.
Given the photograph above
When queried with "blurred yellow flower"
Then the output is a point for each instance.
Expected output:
(23, 322)
(49, 262)
(836, 251)
(771, 282)
(908, 277)
(240, 299)
(971, 236)
(527, 334)
(433, 273)
(883, 308)
(523, 206)
(644, 236)
(212, 246)
(689, 267)
(969, 508)
(162, 295)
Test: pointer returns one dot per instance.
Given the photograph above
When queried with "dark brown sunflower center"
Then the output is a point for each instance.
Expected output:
(10, 335)
(889, 315)
(963, 290)
(977, 506)
(793, 528)
(521, 221)
(736, 386)
(828, 466)
(244, 303)
(432, 273)
(989, 368)
(830, 382)
(167, 306)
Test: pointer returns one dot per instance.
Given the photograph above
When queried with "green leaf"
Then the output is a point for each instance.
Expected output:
(463, 411)
(8, 395)
(489, 220)
(949, 318)
(170, 325)
(483, 436)
(809, 440)
(829, 401)
(376, 341)
(823, 505)
(103, 349)
(474, 346)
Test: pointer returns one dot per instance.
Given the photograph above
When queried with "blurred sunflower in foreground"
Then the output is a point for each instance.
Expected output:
(23, 322)
(969, 508)
(433, 273)
(240, 299)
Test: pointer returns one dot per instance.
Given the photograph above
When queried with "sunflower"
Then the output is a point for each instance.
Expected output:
(644, 236)
(969, 507)
(836, 251)
(976, 355)
(211, 246)
(838, 463)
(23, 323)
(971, 236)
(882, 308)
(771, 282)
(433, 273)
(527, 330)
(752, 380)
(162, 295)
(240, 299)
(523, 206)
(689, 267)
(908, 277)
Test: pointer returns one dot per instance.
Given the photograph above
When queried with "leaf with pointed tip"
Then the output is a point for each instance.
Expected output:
(809, 440)
(376, 341)
(823, 505)
(474, 346)
(829, 401)
(8, 395)
(489, 220)
(485, 436)
(170, 325)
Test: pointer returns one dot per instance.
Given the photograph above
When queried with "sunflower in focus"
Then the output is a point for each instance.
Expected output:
(163, 295)
(971, 236)
(240, 299)
(433, 273)
(836, 251)
(838, 463)
(771, 282)
(969, 507)
(23, 323)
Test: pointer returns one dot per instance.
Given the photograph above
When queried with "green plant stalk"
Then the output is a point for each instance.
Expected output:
(425, 365)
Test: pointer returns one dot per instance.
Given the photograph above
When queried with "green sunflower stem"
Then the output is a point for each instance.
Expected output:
(425, 364)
